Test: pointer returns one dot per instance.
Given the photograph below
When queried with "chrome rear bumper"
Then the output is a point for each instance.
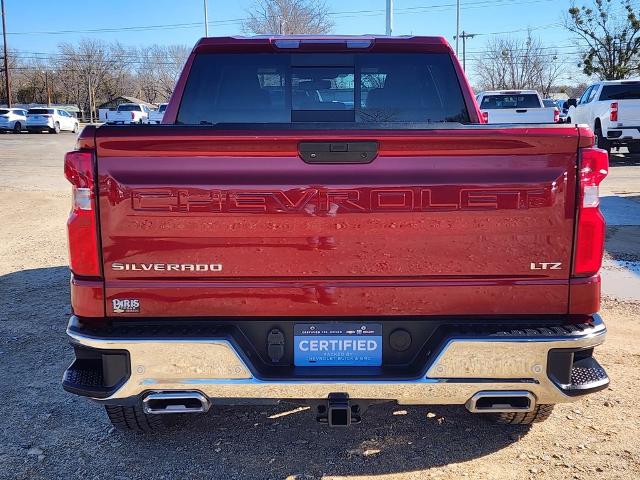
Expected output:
(510, 361)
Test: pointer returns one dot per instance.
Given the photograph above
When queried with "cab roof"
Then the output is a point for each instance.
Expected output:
(351, 43)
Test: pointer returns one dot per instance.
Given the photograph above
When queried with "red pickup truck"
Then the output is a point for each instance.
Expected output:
(326, 221)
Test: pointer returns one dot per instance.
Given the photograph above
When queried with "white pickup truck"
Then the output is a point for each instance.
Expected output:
(156, 116)
(612, 109)
(129, 113)
(515, 106)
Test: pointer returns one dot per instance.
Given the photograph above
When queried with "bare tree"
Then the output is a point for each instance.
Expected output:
(93, 66)
(13, 64)
(512, 63)
(288, 17)
(158, 71)
(611, 39)
(109, 69)
(574, 91)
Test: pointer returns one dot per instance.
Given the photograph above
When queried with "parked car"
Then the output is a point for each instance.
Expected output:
(612, 109)
(51, 119)
(12, 119)
(335, 250)
(515, 106)
(129, 113)
(155, 116)
(560, 105)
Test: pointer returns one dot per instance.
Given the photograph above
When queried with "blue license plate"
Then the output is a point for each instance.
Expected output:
(337, 344)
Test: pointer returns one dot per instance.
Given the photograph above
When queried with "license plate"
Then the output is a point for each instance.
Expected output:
(337, 344)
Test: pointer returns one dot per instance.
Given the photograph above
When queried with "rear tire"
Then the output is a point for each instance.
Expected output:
(601, 142)
(539, 414)
(133, 419)
(56, 128)
(17, 127)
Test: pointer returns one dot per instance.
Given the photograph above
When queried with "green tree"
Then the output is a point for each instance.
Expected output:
(609, 30)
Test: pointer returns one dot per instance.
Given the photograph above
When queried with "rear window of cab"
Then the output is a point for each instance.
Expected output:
(623, 91)
(286, 88)
(129, 108)
(527, 100)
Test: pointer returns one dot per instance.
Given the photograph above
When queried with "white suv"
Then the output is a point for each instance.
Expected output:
(612, 109)
(52, 120)
(12, 119)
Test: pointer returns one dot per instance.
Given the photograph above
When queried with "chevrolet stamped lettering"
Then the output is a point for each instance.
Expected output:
(315, 200)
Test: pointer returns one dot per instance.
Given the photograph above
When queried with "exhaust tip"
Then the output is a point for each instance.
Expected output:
(159, 403)
(501, 402)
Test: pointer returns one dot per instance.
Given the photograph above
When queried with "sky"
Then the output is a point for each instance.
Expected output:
(36, 27)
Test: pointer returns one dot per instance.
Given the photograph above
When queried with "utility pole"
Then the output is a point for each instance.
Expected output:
(7, 79)
(457, 24)
(464, 35)
(206, 19)
(389, 17)
(46, 87)
(90, 96)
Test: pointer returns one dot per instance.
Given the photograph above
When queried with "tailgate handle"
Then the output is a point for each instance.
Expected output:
(522, 110)
(338, 152)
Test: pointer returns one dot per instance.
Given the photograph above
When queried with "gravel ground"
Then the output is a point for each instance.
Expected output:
(47, 433)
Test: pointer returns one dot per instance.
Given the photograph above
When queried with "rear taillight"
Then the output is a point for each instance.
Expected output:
(133, 116)
(82, 224)
(590, 232)
(613, 116)
(485, 117)
(556, 115)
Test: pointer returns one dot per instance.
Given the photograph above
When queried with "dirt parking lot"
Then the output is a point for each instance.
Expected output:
(47, 433)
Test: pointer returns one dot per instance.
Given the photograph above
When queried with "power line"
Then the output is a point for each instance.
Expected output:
(339, 14)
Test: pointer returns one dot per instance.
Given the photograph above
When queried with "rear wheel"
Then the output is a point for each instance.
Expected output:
(539, 414)
(133, 419)
(17, 127)
(601, 141)
(56, 128)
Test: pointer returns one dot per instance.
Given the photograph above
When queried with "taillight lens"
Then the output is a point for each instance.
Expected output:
(133, 116)
(556, 115)
(613, 115)
(82, 224)
(590, 233)
(485, 117)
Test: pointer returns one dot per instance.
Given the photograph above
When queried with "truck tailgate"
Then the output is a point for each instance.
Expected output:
(521, 115)
(628, 112)
(475, 219)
